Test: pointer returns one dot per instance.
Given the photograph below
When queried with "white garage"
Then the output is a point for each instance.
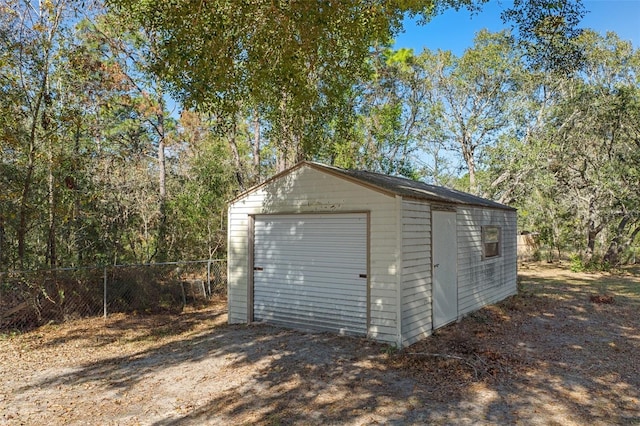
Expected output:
(310, 271)
(353, 252)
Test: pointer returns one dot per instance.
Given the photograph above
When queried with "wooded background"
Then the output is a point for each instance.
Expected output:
(126, 127)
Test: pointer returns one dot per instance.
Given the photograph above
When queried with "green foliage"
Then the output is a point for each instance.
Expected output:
(390, 350)
(594, 264)
(470, 98)
(385, 135)
(547, 31)
(84, 120)
(294, 62)
(576, 263)
(218, 53)
(74, 143)
(594, 130)
(571, 165)
(196, 213)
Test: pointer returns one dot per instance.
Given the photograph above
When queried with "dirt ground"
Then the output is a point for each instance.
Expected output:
(565, 351)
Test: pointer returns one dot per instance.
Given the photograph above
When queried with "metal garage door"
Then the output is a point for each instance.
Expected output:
(310, 271)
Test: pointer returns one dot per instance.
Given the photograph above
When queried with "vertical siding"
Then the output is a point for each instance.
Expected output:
(416, 271)
(484, 281)
(306, 190)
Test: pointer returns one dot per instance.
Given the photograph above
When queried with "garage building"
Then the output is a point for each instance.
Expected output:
(354, 252)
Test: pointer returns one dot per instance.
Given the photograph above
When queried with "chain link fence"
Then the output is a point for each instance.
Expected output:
(29, 299)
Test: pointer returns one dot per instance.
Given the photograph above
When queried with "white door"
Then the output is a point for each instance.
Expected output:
(310, 271)
(445, 267)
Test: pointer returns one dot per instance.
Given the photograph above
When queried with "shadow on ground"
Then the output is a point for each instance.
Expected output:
(548, 355)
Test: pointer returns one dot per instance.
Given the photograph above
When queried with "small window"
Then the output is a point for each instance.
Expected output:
(491, 239)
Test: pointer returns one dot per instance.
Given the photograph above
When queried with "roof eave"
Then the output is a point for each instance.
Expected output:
(336, 172)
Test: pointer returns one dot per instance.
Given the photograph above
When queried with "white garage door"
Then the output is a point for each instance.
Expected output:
(310, 271)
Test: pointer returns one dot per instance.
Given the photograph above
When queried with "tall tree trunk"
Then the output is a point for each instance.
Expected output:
(51, 237)
(591, 243)
(162, 168)
(48, 22)
(24, 208)
(51, 240)
(468, 154)
(256, 147)
(26, 187)
(473, 187)
(593, 230)
(632, 238)
(619, 243)
(592, 234)
(78, 241)
(162, 188)
(236, 155)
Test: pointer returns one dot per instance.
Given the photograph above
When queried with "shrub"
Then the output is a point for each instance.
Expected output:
(576, 263)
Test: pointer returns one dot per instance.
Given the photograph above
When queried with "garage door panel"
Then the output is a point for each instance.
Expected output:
(321, 271)
(304, 316)
(303, 309)
(348, 247)
(310, 271)
(290, 233)
(345, 298)
(325, 309)
(298, 260)
(312, 323)
(342, 293)
(331, 280)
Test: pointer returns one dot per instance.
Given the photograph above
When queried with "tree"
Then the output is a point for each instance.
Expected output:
(391, 111)
(472, 96)
(291, 61)
(573, 168)
(67, 110)
(595, 134)
(204, 181)
(547, 31)
(129, 48)
(10, 133)
(32, 34)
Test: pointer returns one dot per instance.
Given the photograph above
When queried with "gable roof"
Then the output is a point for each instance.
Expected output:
(393, 185)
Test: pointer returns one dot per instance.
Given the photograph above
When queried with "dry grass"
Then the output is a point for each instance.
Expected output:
(563, 351)
(574, 337)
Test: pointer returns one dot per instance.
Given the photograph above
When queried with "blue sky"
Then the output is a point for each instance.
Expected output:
(455, 30)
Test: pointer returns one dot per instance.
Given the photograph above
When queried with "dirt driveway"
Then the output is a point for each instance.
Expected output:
(565, 351)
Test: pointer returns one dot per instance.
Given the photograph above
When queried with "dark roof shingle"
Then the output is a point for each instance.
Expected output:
(413, 189)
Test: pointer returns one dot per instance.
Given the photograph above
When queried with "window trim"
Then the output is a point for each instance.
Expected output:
(484, 231)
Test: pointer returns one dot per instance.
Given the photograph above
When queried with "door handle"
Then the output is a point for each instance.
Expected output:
(436, 265)
(257, 268)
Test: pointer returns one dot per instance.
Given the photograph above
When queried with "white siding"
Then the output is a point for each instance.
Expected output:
(484, 281)
(399, 250)
(416, 271)
(306, 190)
(311, 271)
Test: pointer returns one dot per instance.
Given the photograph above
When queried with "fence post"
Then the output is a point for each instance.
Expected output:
(209, 277)
(104, 281)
